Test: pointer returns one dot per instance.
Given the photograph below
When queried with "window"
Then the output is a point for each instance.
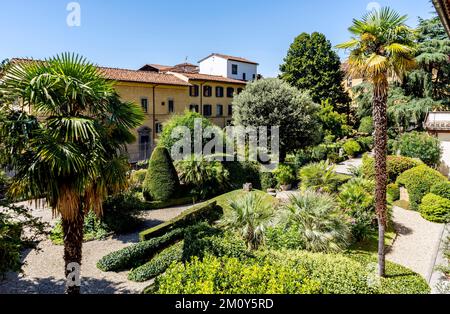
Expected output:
(171, 105)
(349, 82)
(219, 110)
(193, 108)
(194, 91)
(230, 92)
(219, 91)
(244, 76)
(158, 127)
(254, 76)
(234, 69)
(230, 110)
(207, 110)
(207, 91)
(239, 90)
(144, 104)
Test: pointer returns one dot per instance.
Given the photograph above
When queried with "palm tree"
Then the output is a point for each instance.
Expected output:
(382, 46)
(249, 215)
(72, 150)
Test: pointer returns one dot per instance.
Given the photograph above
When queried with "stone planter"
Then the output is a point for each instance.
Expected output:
(248, 187)
(285, 187)
(272, 192)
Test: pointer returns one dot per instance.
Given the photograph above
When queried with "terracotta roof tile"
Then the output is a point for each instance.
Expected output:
(142, 77)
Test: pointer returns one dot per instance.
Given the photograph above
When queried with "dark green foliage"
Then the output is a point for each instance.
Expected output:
(333, 123)
(366, 143)
(279, 238)
(14, 220)
(241, 172)
(162, 181)
(136, 180)
(396, 165)
(158, 264)
(366, 125)
(268, 180)
(442, 189)
(419, 181)
(393, 192)
(137, 254)
(285, 174)
(121, 211)
(435, 208)
(312, 64)
(423, 146)
(208, 211)
(351, 148)
(202, 239)
(170, 203)
(276, 103)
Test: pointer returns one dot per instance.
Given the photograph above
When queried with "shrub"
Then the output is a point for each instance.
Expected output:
(421, 145)
(366, 143)
(351, 148)
(366, 125)
(442, 189)
(137, 178)
(393, 192)
(170, 203)
(280, 237)
(161, 182)
(204, 177)
(396, 165)
(357, 200)
(231, 276)
(268, 180)
(121, 212)
(418, 181)
(319, 152)
(158, 264)
(208, 211)
(249, 216)
(317, 220)
(137, 254)
(435, 208)
(319, 177)
(202, 240)
(285, 174)
(241, 172)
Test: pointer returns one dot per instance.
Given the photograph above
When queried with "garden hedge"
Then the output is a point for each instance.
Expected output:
(419, 181)
(442, 189)
(396, 165)
(208, 211)
(158, 264)
(435, 208)
(161, 182)
(421, 145)
(393, 192)
(169, 203)
(137, 254)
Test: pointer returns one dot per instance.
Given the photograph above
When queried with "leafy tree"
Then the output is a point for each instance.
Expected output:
(333, 123)
(422, 146)
(74, 154)
(161, 182)
(432, 78)
(272, 102)
(382, 45)
(312, 64)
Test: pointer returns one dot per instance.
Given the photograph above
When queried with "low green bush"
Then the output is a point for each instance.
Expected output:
(225, 275)
(158, 264)
(137, 254)
(268, 180)
(421, 145)
(435, 208)
(442, 189)
(366, 143)
(319, 177)
(393, 192)
(285, 174)
(396, 165)
(121, 212)
(351, 148)
(243, 172)
(207, 211)
(202, 240)
(419, 181)
(278, 238)
(136, 180)
(366, 125)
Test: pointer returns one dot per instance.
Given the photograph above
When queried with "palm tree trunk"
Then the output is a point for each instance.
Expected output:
(380, 121)
(73, 242)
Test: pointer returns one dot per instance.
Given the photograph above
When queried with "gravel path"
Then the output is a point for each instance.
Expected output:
(43, 271)
(346, 166)
(417, 242)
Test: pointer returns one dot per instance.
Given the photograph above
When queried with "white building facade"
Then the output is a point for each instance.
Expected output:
(229, 67)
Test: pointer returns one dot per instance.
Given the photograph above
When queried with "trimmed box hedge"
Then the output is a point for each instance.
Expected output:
(137, 254)
(169, 203)
(208, 211)
(396, 165)
(435, 208)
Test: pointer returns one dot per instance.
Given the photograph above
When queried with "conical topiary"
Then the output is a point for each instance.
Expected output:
(161, 182)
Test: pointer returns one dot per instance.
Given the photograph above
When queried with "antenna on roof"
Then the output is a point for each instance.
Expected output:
(186, 60)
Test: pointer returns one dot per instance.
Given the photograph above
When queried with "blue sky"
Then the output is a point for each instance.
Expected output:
(128, 34)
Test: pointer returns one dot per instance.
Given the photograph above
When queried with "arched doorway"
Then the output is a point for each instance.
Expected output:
(145, 144)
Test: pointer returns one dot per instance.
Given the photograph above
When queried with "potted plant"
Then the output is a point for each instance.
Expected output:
(285, 175)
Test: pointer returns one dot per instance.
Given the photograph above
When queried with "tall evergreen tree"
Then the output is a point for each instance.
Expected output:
(312, 64)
